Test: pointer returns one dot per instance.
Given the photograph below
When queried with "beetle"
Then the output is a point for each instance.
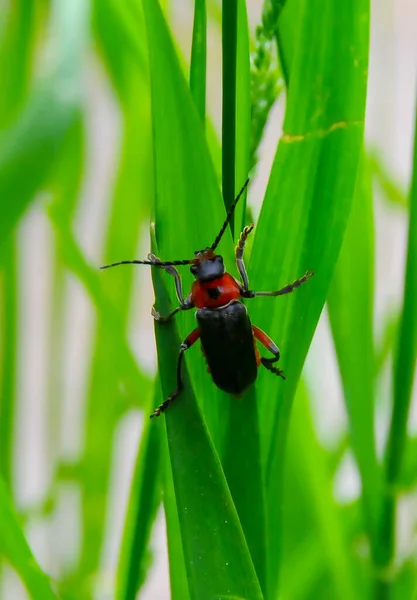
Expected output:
(227, 336)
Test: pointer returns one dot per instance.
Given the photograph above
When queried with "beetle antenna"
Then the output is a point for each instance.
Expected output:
(170, 263)
(229, 216)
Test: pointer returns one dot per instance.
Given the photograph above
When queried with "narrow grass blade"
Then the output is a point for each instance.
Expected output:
(310, 510)
(177, 566)
(404, 373)
(244, 470)
(243, 112)
(229, 58)
(141, 513)
(408, 477)
(352, 327)
(392, 190)
(14, 547)
(198, 58)
(241, 457)
(384, 348)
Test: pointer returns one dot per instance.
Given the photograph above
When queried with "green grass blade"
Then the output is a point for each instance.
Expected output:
(309, 195)
(189, 210)
(117, 26)
(286, 33)
(14, 548)
(177, 568)
(229, 58)
(16, 57)
(387, 341)
(324, 133)
(243, 111)
(243, 98)
(29, 145)
(141, 513)
(408, 477)
(404, 373)
(186, 187)
(241, 458)
(217, 560)
(352, 327)
(244, 471)
(392, 190)
(319, 516)
(198, 58)
(215, 551)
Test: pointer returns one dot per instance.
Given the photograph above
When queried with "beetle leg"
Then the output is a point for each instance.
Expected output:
(240, 248)
(172, 271)
(272, 347)
(187, 343)
(285, 290)
(184, 304)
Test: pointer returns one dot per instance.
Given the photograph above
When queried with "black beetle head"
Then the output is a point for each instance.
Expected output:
(207, 265)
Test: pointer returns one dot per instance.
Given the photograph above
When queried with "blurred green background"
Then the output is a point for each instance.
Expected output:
(101, 134)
